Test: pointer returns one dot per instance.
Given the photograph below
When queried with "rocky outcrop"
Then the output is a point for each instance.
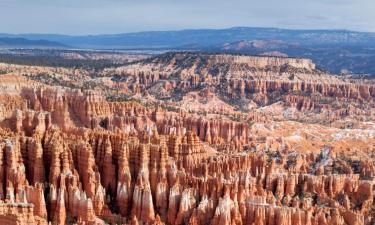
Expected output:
(240, 77)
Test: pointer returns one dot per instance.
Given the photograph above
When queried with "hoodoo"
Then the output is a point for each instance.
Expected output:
(187, 138)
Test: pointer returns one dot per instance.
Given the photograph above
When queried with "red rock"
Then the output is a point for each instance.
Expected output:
(68, 155)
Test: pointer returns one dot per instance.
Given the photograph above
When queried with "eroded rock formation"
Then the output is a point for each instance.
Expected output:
(71, 157)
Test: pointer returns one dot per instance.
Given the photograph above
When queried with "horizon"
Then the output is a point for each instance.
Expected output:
(92, 17)
(189, 29)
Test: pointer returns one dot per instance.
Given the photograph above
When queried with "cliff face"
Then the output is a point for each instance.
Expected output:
(237, 76)
(71, 157)
(244, 84)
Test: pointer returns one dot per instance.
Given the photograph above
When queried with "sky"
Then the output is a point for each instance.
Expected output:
(78, 17)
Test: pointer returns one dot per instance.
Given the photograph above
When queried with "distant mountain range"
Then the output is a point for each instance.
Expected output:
(12, 42)
(333, 50)
(202, 38)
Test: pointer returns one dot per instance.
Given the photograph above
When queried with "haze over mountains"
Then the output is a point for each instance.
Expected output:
(11, 42)
(333, 50)
(205, 38)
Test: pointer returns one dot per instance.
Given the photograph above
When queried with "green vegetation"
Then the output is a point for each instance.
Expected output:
(51, 80)
(56, 61)
(170, 108)
(121, 98)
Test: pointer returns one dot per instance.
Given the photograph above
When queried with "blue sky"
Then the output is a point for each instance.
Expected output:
(122, 16)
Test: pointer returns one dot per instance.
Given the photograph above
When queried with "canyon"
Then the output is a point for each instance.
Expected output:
(187, 138)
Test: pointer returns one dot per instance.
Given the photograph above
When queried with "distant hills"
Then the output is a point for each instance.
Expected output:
(11, 42)
(203, 38)
(333, 50)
